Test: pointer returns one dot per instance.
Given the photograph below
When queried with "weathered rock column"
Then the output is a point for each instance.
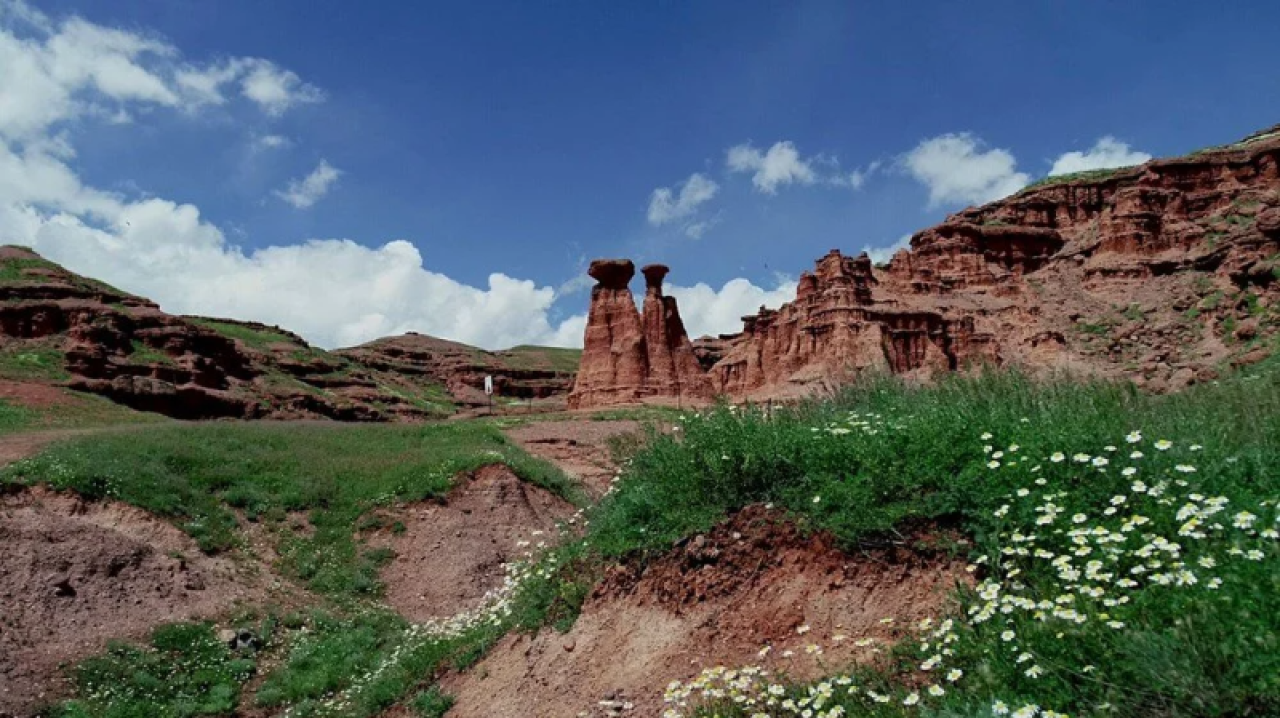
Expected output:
(614, 362)
(674, 370)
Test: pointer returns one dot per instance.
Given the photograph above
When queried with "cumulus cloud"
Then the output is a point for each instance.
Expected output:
(780, 165)
(707, 311)
(334, 292)
(880, 255)
(275, 89)
(1106, 153)
(52, 71)
(302, 193)
(668, 205)
(958, 169)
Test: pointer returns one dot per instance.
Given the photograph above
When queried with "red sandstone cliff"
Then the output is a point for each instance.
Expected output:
(1164, 273)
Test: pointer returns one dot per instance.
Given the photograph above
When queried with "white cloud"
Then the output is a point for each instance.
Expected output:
(708, 311)
(276, 89)
(55, 71)
(1106, 153)
(958, 170)
(334, 292)
(270, 142)
(780, 165)
(695, 230)
(307, 191)
(665, 205)
(880, 255)
(856, 179)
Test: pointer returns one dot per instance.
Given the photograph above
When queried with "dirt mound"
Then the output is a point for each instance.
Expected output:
(74, 574)
(448, 555)
(716, 599)
(579, 448)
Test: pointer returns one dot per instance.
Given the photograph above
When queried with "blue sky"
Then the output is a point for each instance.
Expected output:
(524, 139)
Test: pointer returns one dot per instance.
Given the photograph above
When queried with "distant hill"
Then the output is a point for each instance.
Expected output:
(521, 373)
(61, 330)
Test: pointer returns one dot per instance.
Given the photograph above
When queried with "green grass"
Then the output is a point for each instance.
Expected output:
(74, 411)
(1085, 176)
(184, 672)
(431, 704)
(196, 476)
(251, 337)
(536, 357)
(147, 354)
(29, 361)
(977, 454)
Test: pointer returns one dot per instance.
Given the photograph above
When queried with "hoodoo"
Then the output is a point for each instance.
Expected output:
(628, 357)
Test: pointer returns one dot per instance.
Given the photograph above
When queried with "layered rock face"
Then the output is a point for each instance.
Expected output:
(628, 357)
(84, 335)
(1163, 273)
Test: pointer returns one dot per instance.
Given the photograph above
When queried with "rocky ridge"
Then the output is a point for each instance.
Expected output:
(1164, 273)
(57, 327)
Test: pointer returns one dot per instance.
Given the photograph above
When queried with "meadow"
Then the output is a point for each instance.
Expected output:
(1124, 548)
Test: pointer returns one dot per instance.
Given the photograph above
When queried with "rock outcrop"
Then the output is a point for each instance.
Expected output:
(1163, 273)
(628, 357)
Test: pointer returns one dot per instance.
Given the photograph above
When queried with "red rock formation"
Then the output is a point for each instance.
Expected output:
(124, 347)
(614, 362)
(629, 357)
(1158, 273)
(673, 368)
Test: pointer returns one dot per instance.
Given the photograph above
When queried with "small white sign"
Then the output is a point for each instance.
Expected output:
(488, 385)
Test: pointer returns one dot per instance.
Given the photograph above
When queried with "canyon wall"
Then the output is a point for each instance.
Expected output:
(1164, 273)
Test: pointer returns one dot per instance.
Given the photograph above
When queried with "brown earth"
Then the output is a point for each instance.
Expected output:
(716, 599)
(1165, 274)
(579, 447)
(75, 574)
(451, 553)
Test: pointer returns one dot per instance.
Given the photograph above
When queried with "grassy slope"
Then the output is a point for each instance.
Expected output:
(349, 656)
(878, 457)
(536, 357)
(197, 475)
(979, 453)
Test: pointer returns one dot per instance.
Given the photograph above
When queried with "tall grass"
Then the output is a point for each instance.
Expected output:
(881, 452)
(1151, 629)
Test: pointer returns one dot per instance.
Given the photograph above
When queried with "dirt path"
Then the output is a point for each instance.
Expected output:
(580, 447)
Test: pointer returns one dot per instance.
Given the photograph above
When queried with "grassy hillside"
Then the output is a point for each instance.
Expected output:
(1126, 545)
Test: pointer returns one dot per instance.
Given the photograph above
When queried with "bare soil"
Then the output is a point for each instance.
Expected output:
(580, 447)
(448, 555)
(714, 600)
(74, 574)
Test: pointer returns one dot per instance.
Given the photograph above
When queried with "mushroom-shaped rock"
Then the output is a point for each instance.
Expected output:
(654, 274)
(612, 273)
